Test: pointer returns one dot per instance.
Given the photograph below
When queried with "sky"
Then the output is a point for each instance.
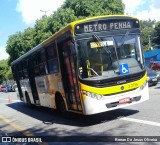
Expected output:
(17, 15)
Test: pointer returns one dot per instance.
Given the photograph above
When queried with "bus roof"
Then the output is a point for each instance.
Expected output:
(70, 26)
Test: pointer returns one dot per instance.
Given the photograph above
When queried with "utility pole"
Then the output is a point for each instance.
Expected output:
(149, 36)
(45, 12)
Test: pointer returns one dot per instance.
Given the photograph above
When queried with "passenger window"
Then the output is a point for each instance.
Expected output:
(35, 64)
(52, 59)
(25, 73)
(42, 56)
(20, 70)
(42, 62)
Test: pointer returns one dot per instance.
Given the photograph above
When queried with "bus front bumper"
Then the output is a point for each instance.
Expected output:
(107, 103)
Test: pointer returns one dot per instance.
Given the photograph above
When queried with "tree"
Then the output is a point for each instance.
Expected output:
(20, 43)
(147, 23)
(15, 46)
(5, 71)
(43, 29)
(8, 74)
(156, 34)
(147, 30)
(147, 34)
(47, 26)
(85, 8)
(62, 17)
(28, 37)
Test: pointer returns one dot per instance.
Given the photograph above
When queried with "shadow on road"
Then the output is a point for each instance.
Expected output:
(157, 88)
(50, 116)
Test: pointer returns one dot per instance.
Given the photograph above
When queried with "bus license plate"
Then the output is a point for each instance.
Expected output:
(124, 100)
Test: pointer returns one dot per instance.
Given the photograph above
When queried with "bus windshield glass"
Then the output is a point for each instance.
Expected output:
(105, 56)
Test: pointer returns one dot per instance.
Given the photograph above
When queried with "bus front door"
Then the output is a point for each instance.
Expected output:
(69, 76)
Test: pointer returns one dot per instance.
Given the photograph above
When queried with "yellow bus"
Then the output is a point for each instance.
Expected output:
(91, 66)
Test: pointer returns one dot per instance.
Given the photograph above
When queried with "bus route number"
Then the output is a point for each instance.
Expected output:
(132, 85)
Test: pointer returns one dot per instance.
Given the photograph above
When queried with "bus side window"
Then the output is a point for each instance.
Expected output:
(52, 59)
(35, 64)
(42, 62)
(25, 73)
(20, 70)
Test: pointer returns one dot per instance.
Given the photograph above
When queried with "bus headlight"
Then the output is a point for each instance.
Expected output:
(143, 86)
(93, 95)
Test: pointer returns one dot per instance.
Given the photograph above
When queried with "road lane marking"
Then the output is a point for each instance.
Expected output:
(20, 129)
(141, 121)
(12, 100)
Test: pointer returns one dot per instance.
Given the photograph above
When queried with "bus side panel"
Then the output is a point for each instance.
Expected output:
(47, 86)
(55, 85)
(42, 89)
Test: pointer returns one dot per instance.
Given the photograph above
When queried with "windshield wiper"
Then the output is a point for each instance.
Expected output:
(123, 39)
(103, 45)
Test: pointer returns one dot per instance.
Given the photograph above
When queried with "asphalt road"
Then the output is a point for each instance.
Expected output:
(17, 119)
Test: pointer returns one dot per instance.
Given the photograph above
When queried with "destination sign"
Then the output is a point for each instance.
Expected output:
(104, 25)
(100, 44)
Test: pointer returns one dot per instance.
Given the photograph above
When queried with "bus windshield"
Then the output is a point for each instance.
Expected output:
(102, 56)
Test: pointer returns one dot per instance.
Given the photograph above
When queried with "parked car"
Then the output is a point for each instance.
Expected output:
(152, 77)
(9, 88)
(3, 89)
(154, 65)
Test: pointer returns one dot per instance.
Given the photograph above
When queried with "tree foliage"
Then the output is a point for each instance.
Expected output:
(147, 34)
(20, 43)
(5, 71)
(15, 46)
(85, 8)
(147, 30)
(156, 34)
(62, 17)
(43, 29)
(147, 23)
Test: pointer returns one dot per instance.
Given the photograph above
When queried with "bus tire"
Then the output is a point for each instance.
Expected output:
(28, 100)
(61, 107)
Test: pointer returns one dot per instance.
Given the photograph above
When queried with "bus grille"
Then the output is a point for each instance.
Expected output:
(114, 82)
